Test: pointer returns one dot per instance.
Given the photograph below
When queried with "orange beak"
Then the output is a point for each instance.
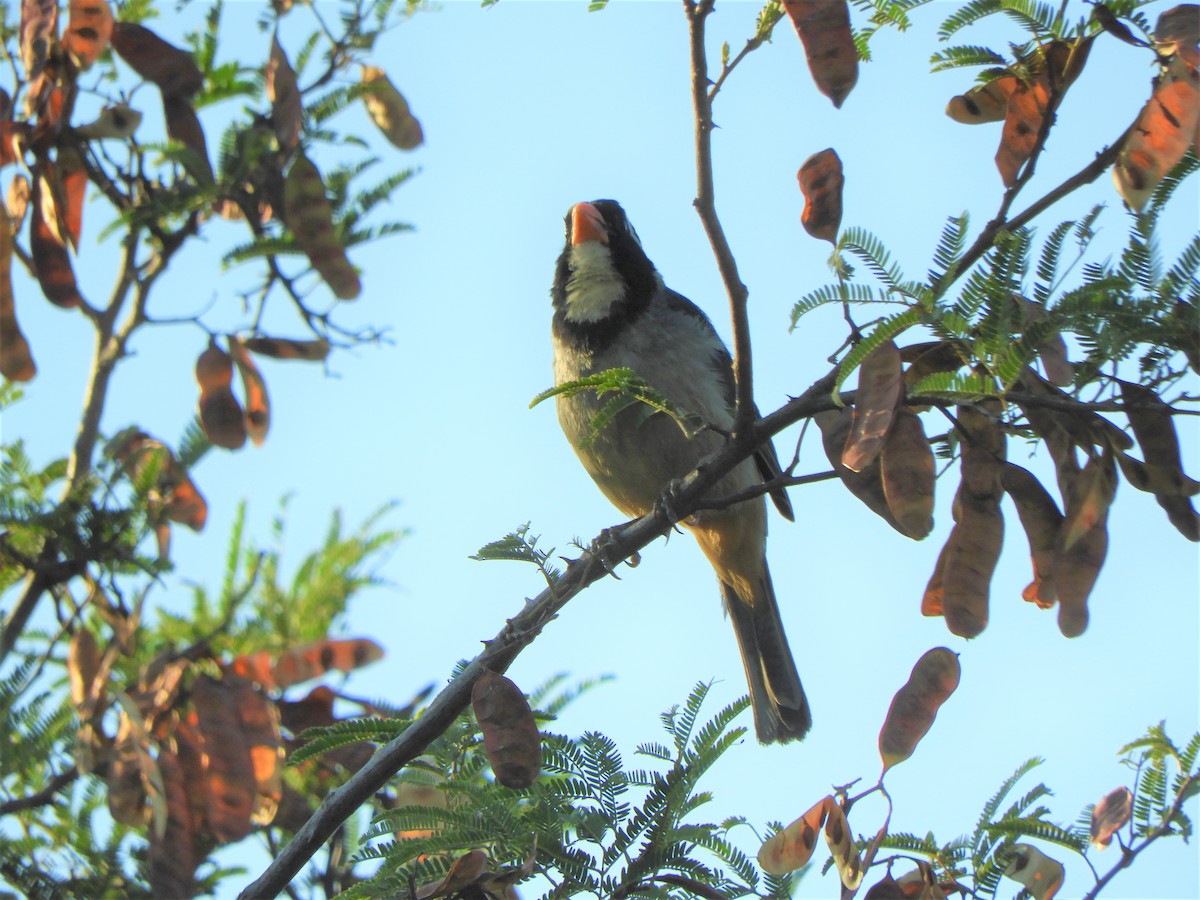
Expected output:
(587, 225)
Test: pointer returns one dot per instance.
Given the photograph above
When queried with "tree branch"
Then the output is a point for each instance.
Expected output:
(610, 547)
(987, 237)
(705, 204)
(111, 341)
(1129, 854)
(43, 797)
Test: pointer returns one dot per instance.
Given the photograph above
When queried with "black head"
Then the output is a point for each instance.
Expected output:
(620, 235)
(602, 258)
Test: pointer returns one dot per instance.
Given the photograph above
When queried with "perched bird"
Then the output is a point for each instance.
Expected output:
(612, 310)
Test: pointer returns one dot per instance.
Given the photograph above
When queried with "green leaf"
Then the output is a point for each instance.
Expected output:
(949, 248)
(842, 292)
(870, 249)
(318, 741)
(961, 387)
(884, 331)
(967, 14)
(519, 546)
(630, 388)
(965, 55)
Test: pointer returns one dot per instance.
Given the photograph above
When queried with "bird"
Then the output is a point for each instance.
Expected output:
(613, 310)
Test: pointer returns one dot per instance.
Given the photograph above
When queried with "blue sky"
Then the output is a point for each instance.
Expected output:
(527, 108)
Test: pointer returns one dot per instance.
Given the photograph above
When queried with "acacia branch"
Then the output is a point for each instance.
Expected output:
(609, 548)
(1130, 853)
(112, 340)
(110, 348)
(44, 797)
(697, 12)
(727, 68)
(999, 222)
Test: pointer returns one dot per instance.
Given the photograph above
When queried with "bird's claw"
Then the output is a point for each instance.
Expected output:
(667, 501)
(599, 552)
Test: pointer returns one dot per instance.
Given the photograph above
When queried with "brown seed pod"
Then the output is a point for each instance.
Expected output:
(933, 680)
(220, 413)
(510, 734)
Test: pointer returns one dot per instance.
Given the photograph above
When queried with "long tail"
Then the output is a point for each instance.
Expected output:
(781, 710)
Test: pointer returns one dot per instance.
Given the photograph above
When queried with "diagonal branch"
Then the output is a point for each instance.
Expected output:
(498, 654)
(1001, 222)
(1130, 853)
(44, 797)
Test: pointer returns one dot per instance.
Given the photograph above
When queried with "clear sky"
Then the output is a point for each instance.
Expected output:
(527, 108)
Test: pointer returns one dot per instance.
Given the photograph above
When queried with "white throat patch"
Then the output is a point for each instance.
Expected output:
(594, 286)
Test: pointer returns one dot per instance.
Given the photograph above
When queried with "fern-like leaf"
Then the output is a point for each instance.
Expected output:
(877, 258)
(968, 14)
(884, 331)
(1039, 828)
(993, 805)
(351, 731)
(1173, 179)
(629, 388)
(842, 292)
(950, 247)
(965, 55)
(1037, 17)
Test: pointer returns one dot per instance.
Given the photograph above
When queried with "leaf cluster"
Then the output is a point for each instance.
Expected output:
(594, 826)
(520, 546)
(630, 391)
(259, 606)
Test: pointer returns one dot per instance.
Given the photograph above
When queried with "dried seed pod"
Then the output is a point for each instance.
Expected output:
(933, 680)
(880, 387)
(1041, 875)
(1042, 521)
(972, 551)
(792, 847)
(510, 734)
(842, 848)
(909, 472)
(824, 30)
(285, 348)
(1083, 541)
(254, 388)
(821, 181)
(866, 485)
(389, 110)
(16, 359)
(309, 215)
(220, 413)
(1152, 424)
(1113, 811)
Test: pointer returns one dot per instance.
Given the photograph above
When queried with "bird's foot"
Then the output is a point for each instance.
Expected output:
(600, 551)
(667, 502)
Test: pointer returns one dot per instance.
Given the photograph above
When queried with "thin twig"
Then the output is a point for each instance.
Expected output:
(726, 70)
(987, 237)
(1129, 854)
(765, 487)
(44, 797)
(110, 348)
(697, 11)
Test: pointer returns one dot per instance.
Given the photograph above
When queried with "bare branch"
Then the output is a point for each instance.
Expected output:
(705, 204)
(44, 797)
(999, 222)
